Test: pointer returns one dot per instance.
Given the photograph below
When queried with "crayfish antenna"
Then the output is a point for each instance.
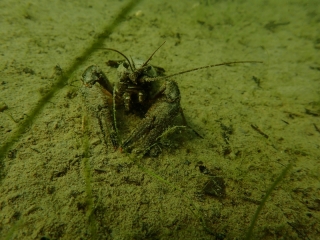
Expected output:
(152, 55)
(114, 50)
(198, 68)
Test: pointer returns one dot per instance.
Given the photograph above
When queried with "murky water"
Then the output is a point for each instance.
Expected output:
(60, 181)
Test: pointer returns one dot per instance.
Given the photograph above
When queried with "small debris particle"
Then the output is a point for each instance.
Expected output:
(255, 127)
(226, 132)
(57, 72)
(99, 170)
(28, 70)
(309, 112)
(71, 94)
(3, 106)
(215, 187)
(272, 25)
(257, 81)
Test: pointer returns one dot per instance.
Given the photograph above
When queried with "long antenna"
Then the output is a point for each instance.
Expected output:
(153, 54)
(111, 49)
(198, 68)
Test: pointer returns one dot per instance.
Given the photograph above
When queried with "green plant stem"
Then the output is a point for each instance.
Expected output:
(272, 187)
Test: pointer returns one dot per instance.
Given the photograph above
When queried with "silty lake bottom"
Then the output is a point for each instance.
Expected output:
(60, 181)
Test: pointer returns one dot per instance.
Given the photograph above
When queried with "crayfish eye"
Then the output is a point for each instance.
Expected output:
(126, 65)
(148, 68)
